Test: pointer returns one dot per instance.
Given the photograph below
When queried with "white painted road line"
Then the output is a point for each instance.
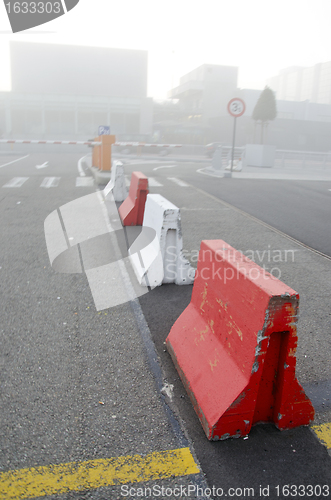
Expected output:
(49, 182)
(16, 182)
(84, 181)
(211, 172)
(14, 161)
(44, 165)
(153, 182)
(177, 181)
(80, 167)
(164, 166)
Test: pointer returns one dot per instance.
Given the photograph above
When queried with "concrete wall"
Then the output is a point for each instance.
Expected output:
(34, 116)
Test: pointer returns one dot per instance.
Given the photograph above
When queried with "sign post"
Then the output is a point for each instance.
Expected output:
(236, 108)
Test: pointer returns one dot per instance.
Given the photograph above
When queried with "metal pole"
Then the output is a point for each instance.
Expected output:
(233, 142)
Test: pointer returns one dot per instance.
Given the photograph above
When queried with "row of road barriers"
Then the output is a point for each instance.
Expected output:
(234, 345)
(157, 254)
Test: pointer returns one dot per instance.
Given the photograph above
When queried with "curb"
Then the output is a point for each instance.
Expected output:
(100, 177)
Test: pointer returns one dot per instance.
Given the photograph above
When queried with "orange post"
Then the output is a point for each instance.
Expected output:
(101, 155)
(96, 154)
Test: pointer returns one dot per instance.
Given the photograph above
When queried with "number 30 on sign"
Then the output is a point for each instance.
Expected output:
(236, 107)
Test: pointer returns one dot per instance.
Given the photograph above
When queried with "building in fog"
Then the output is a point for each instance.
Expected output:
(206, 91)
(68, 91)
(299, 125)
(304, 84)
(197, 112)
(202, 97)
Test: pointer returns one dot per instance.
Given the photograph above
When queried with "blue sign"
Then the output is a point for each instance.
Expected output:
(104, 130)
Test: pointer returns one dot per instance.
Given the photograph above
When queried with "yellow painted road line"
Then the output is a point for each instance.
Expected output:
(78, 476)
(323, 433)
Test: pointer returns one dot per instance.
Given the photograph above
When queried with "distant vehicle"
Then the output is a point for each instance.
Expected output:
(211, 148)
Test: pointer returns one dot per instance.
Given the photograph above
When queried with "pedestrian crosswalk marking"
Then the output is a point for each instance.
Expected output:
(16, 182)
(177, 181)
(153, 182)
(49, 182)
(79, 476)
(84, 181)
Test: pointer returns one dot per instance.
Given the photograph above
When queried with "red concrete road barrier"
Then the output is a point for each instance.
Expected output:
(234, 346)
(132, 209)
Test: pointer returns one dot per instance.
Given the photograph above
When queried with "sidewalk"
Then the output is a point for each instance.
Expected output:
(268, 457)
(275, 173)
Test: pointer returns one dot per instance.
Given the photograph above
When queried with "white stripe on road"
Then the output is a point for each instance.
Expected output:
(16, 182)
(44, 165)
(49, 182)
(164, 166)
(84, 181)
(177, 181)
(14, 161)
(80, 168)
(153, 182)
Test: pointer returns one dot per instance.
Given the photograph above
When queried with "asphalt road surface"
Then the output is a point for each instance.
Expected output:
(79, 384)
(300, 209)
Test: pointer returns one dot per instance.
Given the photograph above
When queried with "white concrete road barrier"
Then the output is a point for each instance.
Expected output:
(117, 182)
(163, 261)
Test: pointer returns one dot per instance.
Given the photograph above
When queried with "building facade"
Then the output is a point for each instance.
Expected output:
(67, 92)
(205, 91)
(302, 84)
(202, 116)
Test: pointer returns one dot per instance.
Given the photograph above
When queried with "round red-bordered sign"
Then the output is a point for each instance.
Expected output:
(236, 107)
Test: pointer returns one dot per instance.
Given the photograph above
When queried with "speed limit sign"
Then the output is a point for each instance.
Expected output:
(236, 107)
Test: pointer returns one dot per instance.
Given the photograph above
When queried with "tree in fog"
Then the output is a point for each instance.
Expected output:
(265, 109)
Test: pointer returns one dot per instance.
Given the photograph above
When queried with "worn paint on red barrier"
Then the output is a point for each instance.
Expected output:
(234, 346)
